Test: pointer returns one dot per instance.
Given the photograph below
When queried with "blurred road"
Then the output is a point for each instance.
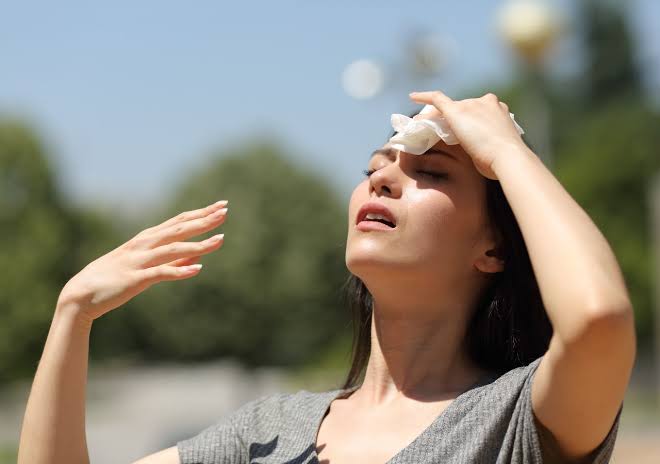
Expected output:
(133, 412)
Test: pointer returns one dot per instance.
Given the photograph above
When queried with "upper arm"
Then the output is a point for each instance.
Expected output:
(579, 386)
(166, 456)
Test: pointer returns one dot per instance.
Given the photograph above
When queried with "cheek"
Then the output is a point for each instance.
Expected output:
(436, 229)
(431, 214)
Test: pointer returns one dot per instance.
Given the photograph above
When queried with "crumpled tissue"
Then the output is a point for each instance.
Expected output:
(417, 137)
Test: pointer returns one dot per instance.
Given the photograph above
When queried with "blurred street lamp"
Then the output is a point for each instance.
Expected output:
(363, 79)
(428, 53)
(425, 57)
(531, 27)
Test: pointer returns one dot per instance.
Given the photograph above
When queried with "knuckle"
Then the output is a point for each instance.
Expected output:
(132, 244)
(138, 242)
(149, 275)
(144, 232)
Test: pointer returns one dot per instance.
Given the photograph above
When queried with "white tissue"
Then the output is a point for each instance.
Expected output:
(417, 137)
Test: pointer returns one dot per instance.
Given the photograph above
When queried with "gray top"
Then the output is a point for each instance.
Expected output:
(492, 422)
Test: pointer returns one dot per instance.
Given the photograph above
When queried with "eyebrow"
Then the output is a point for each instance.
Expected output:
(391, 153)
(388, 152)
(443, 152)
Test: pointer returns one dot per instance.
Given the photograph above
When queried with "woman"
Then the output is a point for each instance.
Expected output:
(456, 370)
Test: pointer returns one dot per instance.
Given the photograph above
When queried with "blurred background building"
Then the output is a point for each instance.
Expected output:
(116, 116)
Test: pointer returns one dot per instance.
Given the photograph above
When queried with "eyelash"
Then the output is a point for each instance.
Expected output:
(432, 175)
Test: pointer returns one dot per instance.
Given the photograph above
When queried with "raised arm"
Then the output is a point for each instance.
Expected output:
(53, 430)
(580, 383)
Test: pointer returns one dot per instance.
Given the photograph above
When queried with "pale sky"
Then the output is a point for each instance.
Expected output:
(130, 95)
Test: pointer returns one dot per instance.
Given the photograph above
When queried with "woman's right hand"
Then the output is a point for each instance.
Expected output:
(155, 254)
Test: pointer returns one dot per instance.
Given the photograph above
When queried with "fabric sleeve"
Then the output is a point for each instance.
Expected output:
(221, 442)
(542, 440)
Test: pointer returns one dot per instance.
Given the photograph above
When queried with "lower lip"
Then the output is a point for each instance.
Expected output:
(372, 225)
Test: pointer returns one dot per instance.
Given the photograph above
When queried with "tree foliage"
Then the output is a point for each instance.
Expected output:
(42, 244)
(611, 69)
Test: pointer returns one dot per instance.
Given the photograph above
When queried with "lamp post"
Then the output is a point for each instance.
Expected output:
(530, 27)
(654, 202)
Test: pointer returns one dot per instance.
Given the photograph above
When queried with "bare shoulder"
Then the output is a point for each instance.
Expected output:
(166, 456)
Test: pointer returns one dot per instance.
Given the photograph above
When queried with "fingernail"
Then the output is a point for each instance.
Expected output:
(220, 212)
(216, 238)
(413, 93)
(221, 202)
(191, 268)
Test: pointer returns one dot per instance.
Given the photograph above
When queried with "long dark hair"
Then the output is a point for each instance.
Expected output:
(509, 327)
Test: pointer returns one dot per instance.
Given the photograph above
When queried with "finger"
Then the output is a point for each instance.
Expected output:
(504, 106)
(156, 274)
(185, 230)
(190, 215)
(178, 250)
(435, 98)
(185, 261)
(432, 112)
(491, 96)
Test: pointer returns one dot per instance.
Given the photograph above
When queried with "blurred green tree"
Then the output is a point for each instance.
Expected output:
(42, 244)
(611, 70)
(608, 153)
(607, 165)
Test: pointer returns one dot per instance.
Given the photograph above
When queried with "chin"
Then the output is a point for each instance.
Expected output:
(363, 261)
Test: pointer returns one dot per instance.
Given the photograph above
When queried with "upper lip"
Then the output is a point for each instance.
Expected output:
(376, 208)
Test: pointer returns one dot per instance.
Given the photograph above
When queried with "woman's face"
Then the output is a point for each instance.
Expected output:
(437, 201)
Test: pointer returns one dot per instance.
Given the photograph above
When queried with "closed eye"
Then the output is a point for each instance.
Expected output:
(434, 175)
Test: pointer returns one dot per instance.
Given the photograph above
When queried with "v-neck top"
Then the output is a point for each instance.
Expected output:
(491, 422)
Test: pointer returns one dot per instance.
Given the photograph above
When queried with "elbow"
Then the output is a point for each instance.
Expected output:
(608, 329)
(605, 328)
(614, 318)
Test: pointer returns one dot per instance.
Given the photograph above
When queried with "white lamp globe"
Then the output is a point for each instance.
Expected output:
(362, 79)
(530, 26)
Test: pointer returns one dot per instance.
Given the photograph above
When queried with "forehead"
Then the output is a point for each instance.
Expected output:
(452, 152)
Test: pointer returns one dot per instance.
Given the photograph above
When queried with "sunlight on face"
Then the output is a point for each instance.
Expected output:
(438, 202)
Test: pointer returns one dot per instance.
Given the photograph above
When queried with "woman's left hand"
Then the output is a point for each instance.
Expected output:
(482, 126)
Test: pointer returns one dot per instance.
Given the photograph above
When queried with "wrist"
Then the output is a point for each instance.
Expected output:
(74, 313)
(513, 157)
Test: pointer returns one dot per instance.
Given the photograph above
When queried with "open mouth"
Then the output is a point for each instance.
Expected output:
(379, 218)
(375, 216)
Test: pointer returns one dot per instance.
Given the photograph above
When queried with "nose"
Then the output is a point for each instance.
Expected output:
(386, 181)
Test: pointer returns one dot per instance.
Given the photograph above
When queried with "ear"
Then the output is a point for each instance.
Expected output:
(490, 258)
(490, 261)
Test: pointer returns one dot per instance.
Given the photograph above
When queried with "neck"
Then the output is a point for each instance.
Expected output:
(417, 346)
